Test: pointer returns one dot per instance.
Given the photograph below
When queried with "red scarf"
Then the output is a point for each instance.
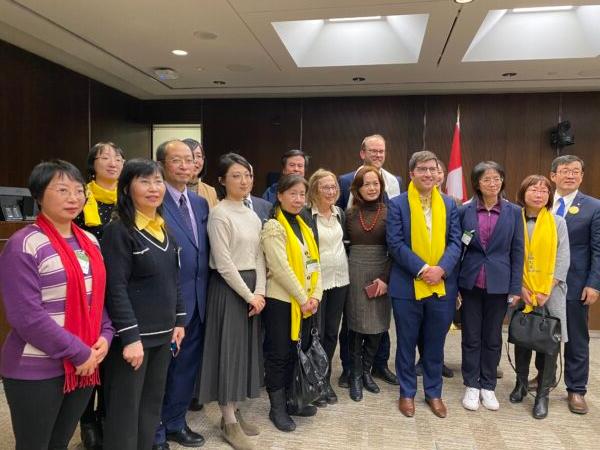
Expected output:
(81, 319)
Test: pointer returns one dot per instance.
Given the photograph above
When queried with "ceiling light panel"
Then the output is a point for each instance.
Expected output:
(327, 43)
(537, 35)
(354, 19)
(543, 9)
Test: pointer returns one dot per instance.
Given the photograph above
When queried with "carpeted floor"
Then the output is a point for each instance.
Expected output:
(376, 423)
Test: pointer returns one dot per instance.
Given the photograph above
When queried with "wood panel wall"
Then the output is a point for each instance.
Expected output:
(48, 111)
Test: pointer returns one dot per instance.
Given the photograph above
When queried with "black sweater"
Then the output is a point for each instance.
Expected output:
(143, 297)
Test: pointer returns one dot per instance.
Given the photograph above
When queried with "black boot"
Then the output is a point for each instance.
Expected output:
(278, 413)
(356, 387)
(330, 394)
(522, 359)
(540, 408)
(369, 383)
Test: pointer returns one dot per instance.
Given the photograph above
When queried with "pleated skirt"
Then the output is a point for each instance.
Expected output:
(232, 365)
(367, 315)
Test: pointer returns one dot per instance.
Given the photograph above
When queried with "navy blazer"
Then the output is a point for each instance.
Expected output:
(262, 208)
(584, 242)
(193, 274)
(345, 181)
(503, 257)
(407, 264)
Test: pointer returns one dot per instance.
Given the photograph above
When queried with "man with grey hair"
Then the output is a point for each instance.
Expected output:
(582, 214)
(423, 237)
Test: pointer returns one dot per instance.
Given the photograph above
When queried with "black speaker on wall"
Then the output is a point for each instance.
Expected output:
(561, 136)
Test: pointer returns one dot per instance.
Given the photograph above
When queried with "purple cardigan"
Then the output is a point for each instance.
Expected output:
(33, 283)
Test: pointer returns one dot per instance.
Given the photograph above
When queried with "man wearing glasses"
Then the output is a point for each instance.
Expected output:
(185, 214)
(372, 152)
(582, 214)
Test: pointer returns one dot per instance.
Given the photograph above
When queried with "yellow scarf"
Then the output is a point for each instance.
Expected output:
(294, 255)
(95, 194)
(429, 248)
(152, 226)
(540, 256)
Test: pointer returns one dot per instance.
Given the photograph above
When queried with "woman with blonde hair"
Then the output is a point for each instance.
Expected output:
(328, 219)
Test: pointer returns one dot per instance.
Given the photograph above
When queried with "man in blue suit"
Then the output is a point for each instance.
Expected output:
(582, 214)
(292, 162)
(186, 215)
(372, 152)
(423, 237)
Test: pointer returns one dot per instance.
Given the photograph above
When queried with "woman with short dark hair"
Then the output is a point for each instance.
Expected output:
(294, 291)
(491, 272)
(144, 301)
(547, 257)
(231, 369)
(53, 280)
(104, 164)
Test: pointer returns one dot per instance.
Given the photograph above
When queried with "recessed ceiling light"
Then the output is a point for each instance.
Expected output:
(205, 35)
(200, 69)
(509, 74)
(462, 2)
(543, 9)
(358, 79)
(179, 52)
(219, 82)
(354, 19)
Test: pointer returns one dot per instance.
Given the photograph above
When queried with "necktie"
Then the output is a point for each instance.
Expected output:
(185, 213)
(561, 207)
(247, 203)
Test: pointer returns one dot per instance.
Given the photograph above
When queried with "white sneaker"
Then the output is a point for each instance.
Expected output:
(489, 400)
(471, 399)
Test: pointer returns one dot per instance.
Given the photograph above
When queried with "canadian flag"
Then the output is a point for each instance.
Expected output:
(455, 181)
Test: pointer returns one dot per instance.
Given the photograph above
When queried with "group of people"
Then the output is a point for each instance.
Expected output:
(145, 292)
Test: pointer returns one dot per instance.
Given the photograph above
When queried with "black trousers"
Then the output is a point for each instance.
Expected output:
(95, 410)
(577, 349)
(43, 417)
(362, 350)
(329, 316)
(482, 315)
(280, 352)
(134, 397)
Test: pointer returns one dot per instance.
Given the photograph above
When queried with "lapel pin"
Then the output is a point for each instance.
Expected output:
(573, 210)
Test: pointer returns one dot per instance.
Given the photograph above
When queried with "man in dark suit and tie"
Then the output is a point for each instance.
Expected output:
(423, 237)
(186, 215)
(372, 152)
(582, 214)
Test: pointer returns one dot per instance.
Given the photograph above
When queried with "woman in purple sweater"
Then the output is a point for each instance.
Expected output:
(52, 279)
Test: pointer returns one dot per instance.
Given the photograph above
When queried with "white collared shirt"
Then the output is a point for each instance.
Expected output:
(333, 259)
(568, 199)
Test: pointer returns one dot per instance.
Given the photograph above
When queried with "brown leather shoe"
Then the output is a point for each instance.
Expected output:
(437, 407)
(577, 403)
(406, 406)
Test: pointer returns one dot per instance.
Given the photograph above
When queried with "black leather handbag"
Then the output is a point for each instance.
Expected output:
(535, 330)
(310, 373)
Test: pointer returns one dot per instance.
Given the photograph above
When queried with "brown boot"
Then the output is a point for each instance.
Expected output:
(406, 406)
(437, 407)
(233, 434)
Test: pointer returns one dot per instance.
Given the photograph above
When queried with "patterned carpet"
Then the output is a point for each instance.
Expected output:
(376, 423)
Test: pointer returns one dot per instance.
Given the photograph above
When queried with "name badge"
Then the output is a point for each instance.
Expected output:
(312, 266)
(467, 236)
(84, 261)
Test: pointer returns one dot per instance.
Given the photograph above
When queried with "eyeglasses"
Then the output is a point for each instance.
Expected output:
(539, 191)
(489, 181)
(572, 172)
(117, 159)
(66, 193)
(328, 188)
(147, 182)
(424, 170)
(376, 152)
(296, 194)
(179, 161)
